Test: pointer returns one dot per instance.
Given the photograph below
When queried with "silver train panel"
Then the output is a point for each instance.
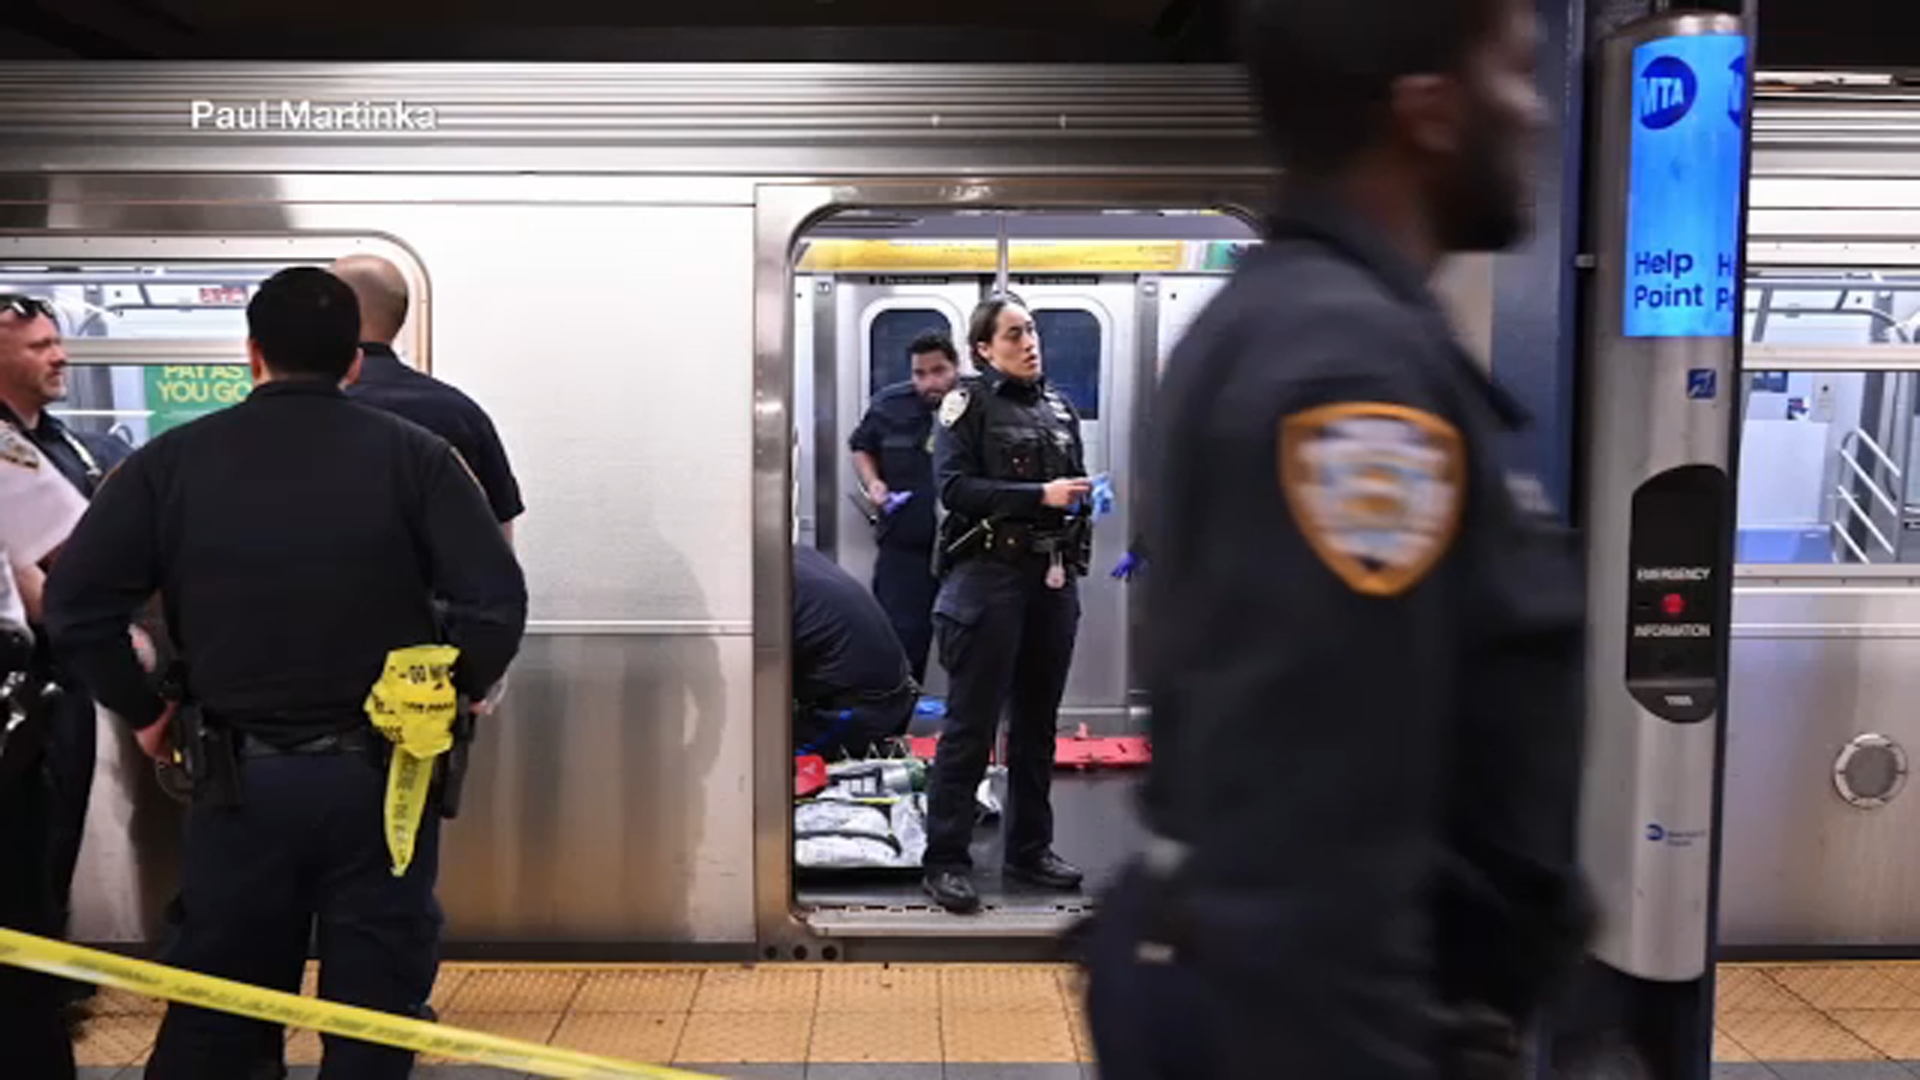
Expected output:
(611, 796)
(1821, 663)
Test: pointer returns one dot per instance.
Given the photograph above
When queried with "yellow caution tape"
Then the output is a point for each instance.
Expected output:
(275, 1007)
(414, 706)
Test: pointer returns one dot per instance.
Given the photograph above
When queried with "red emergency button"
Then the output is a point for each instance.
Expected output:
(1673, 604)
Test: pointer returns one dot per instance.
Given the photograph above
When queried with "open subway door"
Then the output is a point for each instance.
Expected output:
(1660, 372)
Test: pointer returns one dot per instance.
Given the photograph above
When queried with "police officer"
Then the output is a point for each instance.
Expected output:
(30, 1025)
(851, 686)
(1016, 539)
(33, 377)
(296, 539)
(1365, 648)
(893, 456)
(384, 381)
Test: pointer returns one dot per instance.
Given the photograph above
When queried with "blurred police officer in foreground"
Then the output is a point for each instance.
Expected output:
(1367, 626)
(893, 455)
(34, 1039)
(1017, 537)
(297, 539)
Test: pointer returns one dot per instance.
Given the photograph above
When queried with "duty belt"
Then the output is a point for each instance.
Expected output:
(353, 741)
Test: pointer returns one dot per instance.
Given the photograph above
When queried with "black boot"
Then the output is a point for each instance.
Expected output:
(953, 890)
(1048, 871)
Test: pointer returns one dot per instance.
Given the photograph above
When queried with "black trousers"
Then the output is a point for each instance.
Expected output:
(33, 1040)
(72, 748)
(834, 733)
(1248, 994)
(306, 851)
(1006, 640)
(904, 584)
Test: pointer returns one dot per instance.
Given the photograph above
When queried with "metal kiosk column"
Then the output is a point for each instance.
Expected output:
(1660, 366)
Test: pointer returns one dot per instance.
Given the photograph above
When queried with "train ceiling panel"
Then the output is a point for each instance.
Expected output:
(1821, 34)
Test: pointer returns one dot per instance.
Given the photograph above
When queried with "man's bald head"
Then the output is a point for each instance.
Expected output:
(382, 293)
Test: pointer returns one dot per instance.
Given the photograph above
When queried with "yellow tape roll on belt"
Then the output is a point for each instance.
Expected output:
(414, 706)
(332, 1018)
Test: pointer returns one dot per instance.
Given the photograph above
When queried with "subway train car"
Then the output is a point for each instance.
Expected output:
(675, 287)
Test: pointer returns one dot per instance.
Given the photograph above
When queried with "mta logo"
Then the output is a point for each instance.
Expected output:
(1668, 87)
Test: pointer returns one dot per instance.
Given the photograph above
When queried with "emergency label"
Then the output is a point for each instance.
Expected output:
(1672, 573)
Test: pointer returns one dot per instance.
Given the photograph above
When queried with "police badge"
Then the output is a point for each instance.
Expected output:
(1376, 489)
(953, 406)
(16, 450)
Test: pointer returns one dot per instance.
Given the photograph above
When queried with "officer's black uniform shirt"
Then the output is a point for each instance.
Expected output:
(999, 441)
(1391, 743)
(82, 458)
(297, 538)
(387, 383)
(843, 643)
(898, 432)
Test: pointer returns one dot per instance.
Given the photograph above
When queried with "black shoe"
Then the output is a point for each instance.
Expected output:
(1049, 871)
(953, 890)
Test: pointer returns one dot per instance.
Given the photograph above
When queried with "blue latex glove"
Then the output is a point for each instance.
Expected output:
(1103, 497)
(895, 501)
(1124, 569)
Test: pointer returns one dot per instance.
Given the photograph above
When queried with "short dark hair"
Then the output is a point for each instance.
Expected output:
(934, 341)
(307, 324)
(1323, 70)
(986, 318)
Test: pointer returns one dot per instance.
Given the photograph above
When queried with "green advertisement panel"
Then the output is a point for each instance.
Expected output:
(182, 392)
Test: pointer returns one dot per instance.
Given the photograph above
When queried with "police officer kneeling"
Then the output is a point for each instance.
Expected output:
(297, 539)
(1365, 654)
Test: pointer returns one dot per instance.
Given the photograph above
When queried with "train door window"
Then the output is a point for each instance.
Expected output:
(155, 342)
(888, 339)
(1070, 350)
(1829, 444)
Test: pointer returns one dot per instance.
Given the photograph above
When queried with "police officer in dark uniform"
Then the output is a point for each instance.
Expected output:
(1365, 654)
(1016, 539)
(35, 1039)
(893, 455)
(33, 377)
(851, 687)
(297, 539)
(384, 381)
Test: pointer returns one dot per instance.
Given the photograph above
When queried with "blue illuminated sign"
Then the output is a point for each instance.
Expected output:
(1683, 187)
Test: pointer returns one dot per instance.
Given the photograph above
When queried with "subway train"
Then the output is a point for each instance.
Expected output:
(674, 288)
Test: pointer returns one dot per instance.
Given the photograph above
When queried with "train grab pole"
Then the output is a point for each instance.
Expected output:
(1660, 364)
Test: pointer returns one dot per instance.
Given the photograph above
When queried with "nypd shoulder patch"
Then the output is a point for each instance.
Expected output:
(1377, 490)
(953, 406)
(16, 450)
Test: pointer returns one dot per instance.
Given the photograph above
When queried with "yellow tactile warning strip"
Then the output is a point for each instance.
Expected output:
(937, 1013)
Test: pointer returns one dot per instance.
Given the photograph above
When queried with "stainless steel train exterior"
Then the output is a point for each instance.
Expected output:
(605, 257)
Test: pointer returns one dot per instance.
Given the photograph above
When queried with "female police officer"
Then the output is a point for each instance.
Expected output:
(1008, 461)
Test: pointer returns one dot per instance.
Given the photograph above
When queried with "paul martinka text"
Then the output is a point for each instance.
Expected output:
(306, 115)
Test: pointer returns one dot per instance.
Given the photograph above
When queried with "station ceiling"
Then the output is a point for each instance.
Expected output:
(1870, 34)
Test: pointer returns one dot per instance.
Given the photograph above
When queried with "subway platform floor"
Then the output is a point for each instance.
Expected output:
(1853, 1021)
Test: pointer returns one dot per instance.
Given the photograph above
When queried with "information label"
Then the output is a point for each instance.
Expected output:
(1683, 187)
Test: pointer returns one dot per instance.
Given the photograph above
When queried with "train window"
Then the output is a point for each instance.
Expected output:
(892, 332)
(1829, 444)
(1070, 349)
(154, 343)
